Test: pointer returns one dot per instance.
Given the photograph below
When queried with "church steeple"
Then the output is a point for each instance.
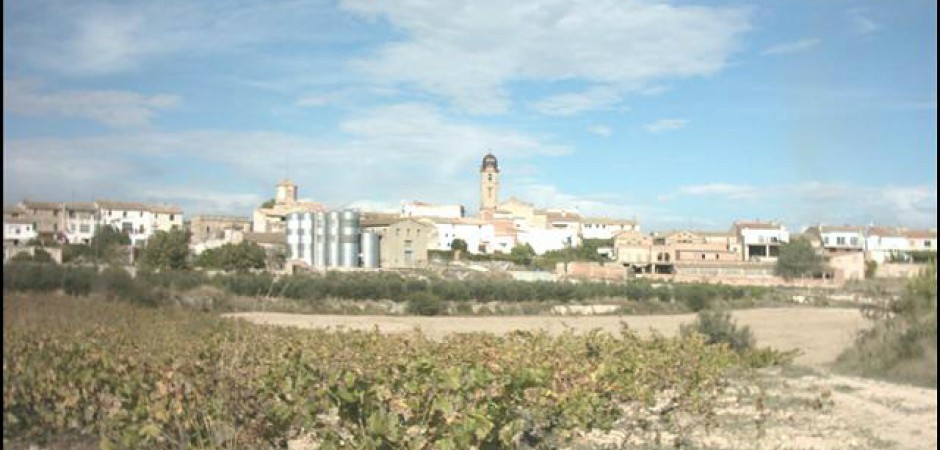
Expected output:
(489, 184)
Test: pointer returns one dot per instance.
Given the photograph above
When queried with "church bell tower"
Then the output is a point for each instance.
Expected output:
(489, 184)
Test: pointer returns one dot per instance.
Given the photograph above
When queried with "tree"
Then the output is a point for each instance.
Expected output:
(166, 250)
(458, 244)
(522, 254)
(243, 256)
(108, 245)
(798, 259)
(268, 204)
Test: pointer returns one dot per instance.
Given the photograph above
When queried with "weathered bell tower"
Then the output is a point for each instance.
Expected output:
(489, 184)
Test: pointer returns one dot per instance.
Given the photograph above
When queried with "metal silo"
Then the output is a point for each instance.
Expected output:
(332, 239)
(349, 238)
(320, 236)
(306, 237)
(293, 240)
(370, 250)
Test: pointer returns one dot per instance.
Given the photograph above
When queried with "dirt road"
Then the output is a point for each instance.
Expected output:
(820, 333)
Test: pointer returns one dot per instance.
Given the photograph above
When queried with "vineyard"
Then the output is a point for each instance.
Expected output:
(133, 377)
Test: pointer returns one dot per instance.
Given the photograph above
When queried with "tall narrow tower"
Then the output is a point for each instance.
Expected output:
(489, 184)
(286, 193)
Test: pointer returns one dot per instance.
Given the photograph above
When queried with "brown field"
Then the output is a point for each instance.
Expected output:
(819, 333)
(811, 408)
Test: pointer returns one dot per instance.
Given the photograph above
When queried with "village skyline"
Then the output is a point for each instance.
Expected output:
(803, 113)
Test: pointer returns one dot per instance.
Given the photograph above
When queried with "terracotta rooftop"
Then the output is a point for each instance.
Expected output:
(124, 206)
(885, 231)
(166, 209)
(18, 220)
(608, 221)
(80, 206)
(920, 234)
(42, 205)
(266, 238)
(219, 217)
(839, 228)
(757, 225)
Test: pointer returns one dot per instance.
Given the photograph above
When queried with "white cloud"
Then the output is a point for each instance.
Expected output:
(577, 102)
(399, 151)
(113, 108)
(732, 191)
(664, 125)
(471, 51)
(314, 100)
(861, 23)
(832, 202)
(98, 38)
(792, 47)
(601, 130)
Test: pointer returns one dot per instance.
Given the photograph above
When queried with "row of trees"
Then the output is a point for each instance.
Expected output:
(165, 250)
(524, 254)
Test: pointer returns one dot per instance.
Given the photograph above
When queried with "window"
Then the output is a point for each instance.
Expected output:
(84, 228)
(840, 240)
(141, 229)
(408, 243)
(171, 217)
(125, 214)
(141, 214)
(854, 241)
(927, 244)
(71, 214)
(703, 256)
(826, 240)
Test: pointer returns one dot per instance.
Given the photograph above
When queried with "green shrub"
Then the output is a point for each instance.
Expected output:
(115, 282)
(718, 327)
(902, 344)
(78, 281)
(424, 304)
(26, 275)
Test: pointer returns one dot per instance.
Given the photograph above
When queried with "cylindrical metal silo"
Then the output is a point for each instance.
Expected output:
(306, 237)
(370, 250)
(320, 236)
(293, 240)
(349, 238)
(332, 239)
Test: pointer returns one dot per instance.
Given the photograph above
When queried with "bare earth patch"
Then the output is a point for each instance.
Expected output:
(821, 333)
(789, 409)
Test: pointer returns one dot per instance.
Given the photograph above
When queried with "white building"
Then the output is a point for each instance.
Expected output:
(18, 231)
(80, 220)
(882, 242)
(546, 240)
(760, 241)
(839, 238)
(421, 209)
(604, 228)
(139, 220)
(476, 233)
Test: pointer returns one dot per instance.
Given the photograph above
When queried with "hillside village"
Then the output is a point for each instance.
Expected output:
(308, 236)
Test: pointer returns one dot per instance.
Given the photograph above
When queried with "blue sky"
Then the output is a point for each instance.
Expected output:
(678, 114)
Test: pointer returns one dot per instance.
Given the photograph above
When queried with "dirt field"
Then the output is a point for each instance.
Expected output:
(807, 408)
(820, 333)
